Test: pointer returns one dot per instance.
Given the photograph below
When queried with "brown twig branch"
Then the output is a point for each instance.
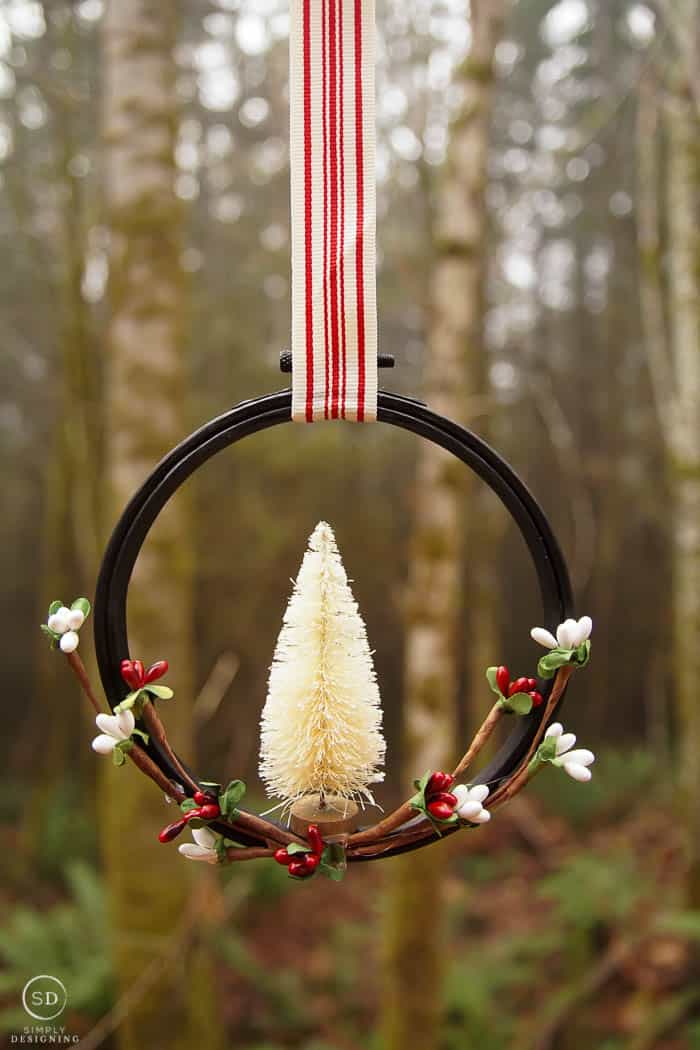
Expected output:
(421, 831)
(78, 668)
(145, 763)
(390, 823)
(156, 731)
(263, 829)
(491, 721)
(235, 853)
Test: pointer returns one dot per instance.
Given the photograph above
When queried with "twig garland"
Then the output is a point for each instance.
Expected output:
(223, 833)
(145, 763)
(480, 740)
(80, 672)
(156, 731)
(251, 853)
(384, 827)
(264, 829)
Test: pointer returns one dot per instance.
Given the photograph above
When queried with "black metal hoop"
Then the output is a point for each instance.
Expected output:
(249, 417)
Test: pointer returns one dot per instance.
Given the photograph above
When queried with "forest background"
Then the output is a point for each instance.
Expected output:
(539, 280)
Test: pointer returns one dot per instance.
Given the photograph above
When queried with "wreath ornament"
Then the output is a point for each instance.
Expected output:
(442, 803)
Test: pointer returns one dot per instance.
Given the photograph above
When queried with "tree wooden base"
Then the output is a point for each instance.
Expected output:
(335, 816)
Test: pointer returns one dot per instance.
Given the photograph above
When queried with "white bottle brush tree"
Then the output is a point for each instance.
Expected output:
(321, 724)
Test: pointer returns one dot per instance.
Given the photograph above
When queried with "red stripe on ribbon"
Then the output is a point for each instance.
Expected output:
(341, 75)
(325, 207)
(333, 275)
(359, 268)
(307, 211)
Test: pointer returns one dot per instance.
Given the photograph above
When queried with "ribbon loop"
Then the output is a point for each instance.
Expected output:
(333, 209)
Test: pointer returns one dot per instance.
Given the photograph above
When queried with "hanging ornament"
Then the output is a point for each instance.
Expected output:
(322, 746)
(321, 740)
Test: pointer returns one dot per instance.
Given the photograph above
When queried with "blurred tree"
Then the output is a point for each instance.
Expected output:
(683, 427)
(146, 384)
(70, 538)
(453, 375)
(673, 354)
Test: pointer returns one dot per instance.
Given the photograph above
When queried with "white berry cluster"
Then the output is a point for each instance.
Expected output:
(203, 848)
(114, 728)
(63, 623)
(470, 803)
(557, 748)
(570, 634)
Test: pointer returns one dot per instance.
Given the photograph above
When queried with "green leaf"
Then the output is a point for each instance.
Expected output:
(551, 662)
(229, 799)
(548, 749)
(337, 874)
(141, 734)
(517, 704)
(297, 847)
(54, 607)
(333, 862)
(163, 692)
(420, 785)
(50, 634)
(128, 702)
(418, 801)
(187, 804)
(491, 679)
(133, 701)
(84, 605)
(118, 756)
(211, 784)
(583, 653)
(438, 825)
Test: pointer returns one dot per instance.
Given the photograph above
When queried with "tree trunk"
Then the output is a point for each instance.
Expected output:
(149, 884)
(652, 302)
(70, 540)
(684, 286)
(415, 917)
(674, 371)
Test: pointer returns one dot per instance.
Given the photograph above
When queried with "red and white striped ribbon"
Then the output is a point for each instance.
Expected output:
(333, 191)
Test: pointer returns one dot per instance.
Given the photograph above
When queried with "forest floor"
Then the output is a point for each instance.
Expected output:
(564, 930)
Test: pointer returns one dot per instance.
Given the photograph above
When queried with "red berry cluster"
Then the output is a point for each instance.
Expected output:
(439, 800)
(302, 865)
(136, 677)
(207, 809)
(519, 685)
